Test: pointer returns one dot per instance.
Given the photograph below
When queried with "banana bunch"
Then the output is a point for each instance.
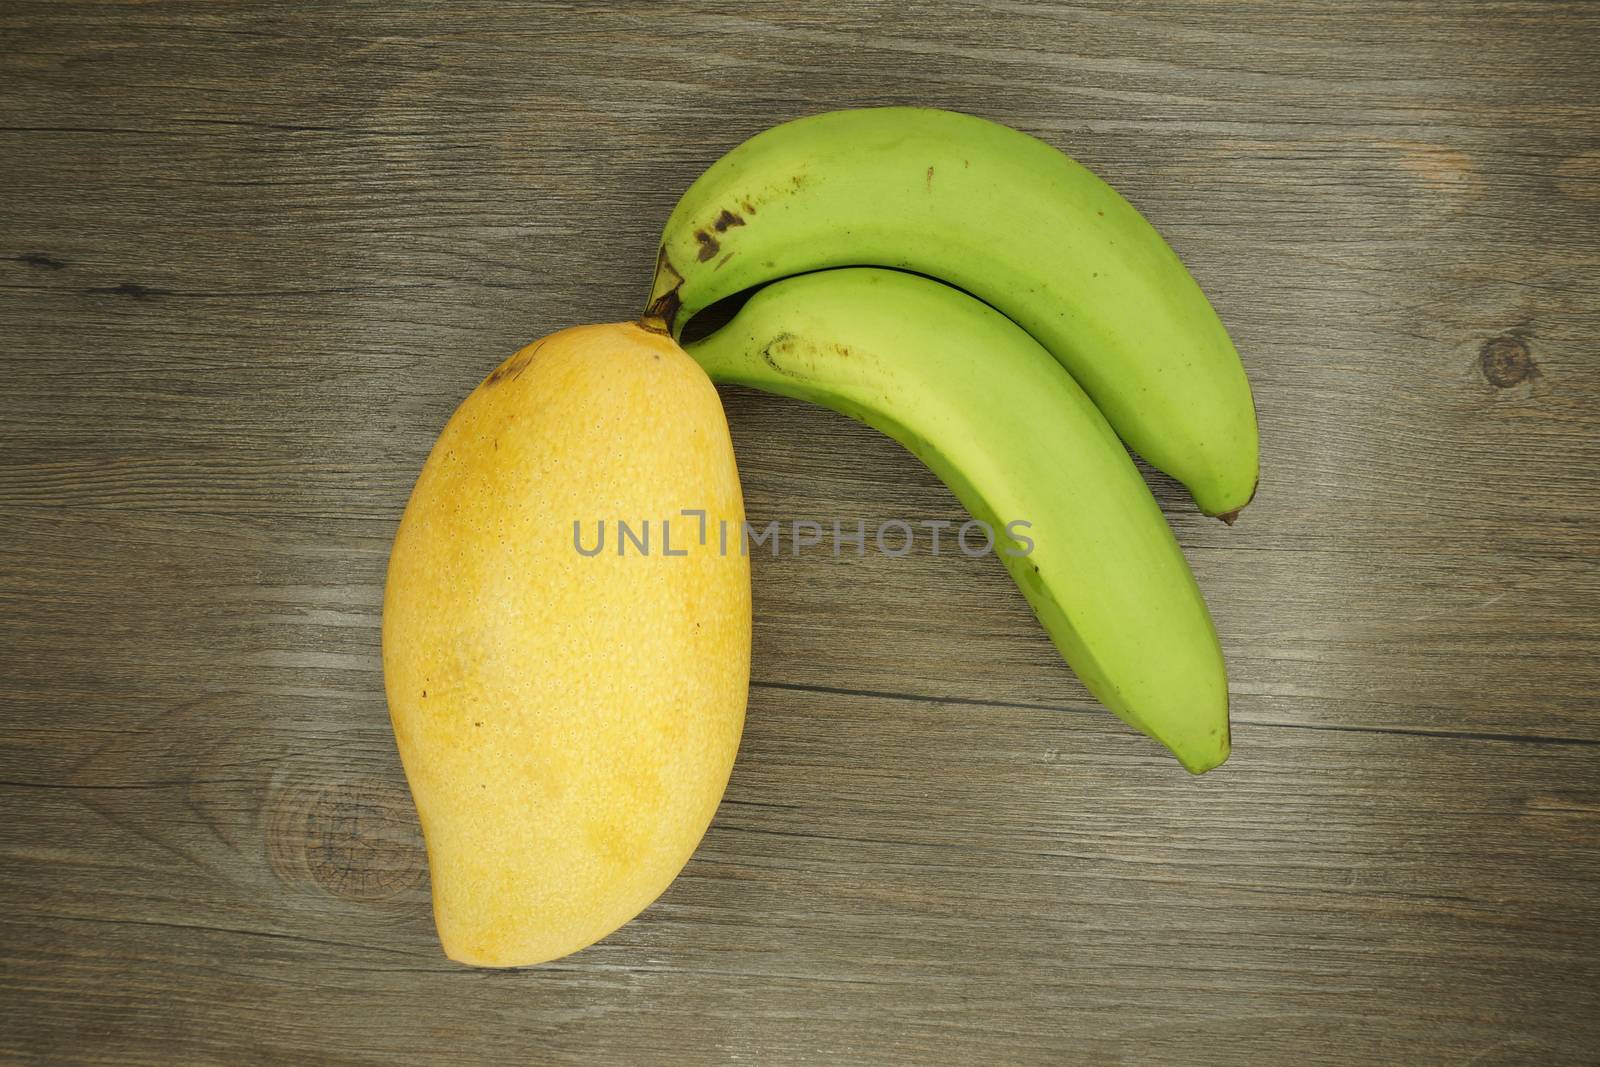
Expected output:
(1045, 320)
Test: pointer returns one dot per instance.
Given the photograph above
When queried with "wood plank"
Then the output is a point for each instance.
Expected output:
(870, 850)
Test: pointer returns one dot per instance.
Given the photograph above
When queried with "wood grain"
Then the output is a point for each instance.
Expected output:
(251, 256)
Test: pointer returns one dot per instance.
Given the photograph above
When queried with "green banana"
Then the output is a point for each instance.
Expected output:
(1016, 440)
(1012, 221)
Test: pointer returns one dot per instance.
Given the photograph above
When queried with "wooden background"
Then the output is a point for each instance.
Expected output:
(251, 255)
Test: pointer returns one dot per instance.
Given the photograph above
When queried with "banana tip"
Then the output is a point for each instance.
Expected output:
(1200, 758)
(1210, 762)
(1231, 517)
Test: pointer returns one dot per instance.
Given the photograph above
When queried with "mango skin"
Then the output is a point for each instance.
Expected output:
(567, 724)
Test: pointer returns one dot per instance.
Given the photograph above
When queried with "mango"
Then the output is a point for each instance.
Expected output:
(568, 718)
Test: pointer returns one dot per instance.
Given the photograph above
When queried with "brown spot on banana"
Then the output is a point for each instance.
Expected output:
(783, 343)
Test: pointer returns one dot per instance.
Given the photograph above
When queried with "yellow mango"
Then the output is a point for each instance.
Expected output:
(568, 719)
